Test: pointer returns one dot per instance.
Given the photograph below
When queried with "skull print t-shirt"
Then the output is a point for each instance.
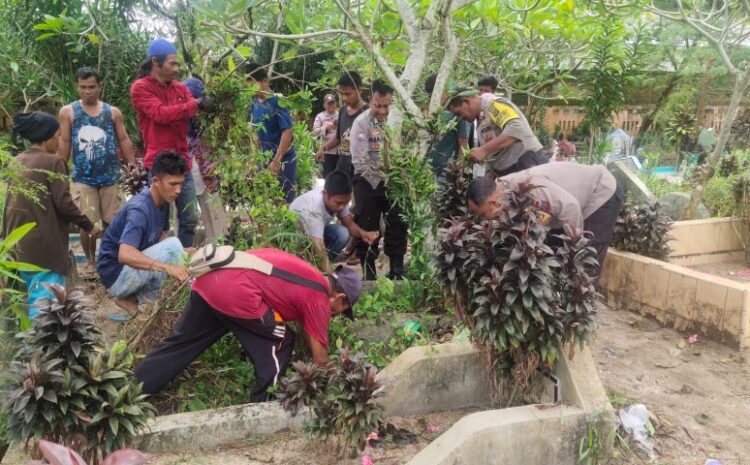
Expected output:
(92, 141)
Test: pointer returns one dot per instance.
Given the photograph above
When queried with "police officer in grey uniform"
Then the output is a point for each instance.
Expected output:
(586, 198)
(506, 142)
(371, 202)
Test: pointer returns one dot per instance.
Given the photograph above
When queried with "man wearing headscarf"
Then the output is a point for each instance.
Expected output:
(164, 107)
(46, 245)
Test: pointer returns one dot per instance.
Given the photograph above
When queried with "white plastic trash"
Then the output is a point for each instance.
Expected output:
(634, 419)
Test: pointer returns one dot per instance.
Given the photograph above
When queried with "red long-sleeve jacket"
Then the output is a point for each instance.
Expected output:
(163, 115)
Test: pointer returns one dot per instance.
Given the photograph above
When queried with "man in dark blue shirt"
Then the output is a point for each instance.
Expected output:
(455, 142)
(136, 255)
(275, 130)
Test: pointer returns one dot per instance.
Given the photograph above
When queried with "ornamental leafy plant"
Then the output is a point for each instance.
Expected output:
(450, 199)
(61, 455)
(341, 399)
(69, 388)
(133, 179)
(522, 299)
(642, 229)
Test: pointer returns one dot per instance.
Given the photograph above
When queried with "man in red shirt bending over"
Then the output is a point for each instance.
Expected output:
(164, 107)
(255, 306)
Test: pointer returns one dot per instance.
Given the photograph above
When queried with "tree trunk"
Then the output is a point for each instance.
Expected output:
(741, 82)
(701, 106)
(649, 119)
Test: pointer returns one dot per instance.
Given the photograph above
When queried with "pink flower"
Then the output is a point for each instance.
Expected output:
(693, 339)
(433, 428)
(366, 460)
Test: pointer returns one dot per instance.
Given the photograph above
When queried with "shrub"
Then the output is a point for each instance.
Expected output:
(69, 388)
(411, 186)
(342, 399)
(133, 179)
(522, 299)
(450, 199)
(642, 229)
(719, 196)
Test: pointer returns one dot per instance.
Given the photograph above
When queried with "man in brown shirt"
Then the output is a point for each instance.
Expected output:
(583, 197)
(46, 245)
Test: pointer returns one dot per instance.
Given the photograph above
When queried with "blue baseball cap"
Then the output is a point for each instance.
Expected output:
(161, 46)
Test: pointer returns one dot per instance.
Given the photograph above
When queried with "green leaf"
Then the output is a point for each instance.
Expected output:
(94, 39)
(17, 234)
(230, 65)
(113, 425)
(44, 36)
(244, 51)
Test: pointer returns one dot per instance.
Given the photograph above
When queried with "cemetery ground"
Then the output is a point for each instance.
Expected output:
(698, 393)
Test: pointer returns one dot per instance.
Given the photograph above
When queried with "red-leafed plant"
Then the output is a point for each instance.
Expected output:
(522, 299)
(341, 399)
(61, 455)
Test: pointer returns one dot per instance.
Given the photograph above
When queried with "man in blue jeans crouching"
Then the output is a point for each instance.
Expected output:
(136, 255)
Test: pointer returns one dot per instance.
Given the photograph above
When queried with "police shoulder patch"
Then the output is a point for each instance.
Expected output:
(501, 113)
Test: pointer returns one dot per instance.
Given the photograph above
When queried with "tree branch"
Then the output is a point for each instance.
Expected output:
(271, 35)
(385, 68)
(446, 66)
(275, 50)
(409, 18)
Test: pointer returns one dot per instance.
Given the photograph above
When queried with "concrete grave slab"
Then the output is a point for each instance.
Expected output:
(421, 380)
(195, 431)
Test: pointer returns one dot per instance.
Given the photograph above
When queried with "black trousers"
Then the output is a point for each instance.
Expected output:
(344, 164)
(268, 344)
(330, 160)
(369, 206)
(528, 160)
(601, 224)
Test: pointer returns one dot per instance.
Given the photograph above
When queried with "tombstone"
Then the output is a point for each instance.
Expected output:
(674, 205)
(629, 180)
(621, 142)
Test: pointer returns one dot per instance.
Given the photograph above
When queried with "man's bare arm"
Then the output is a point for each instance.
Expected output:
(122, 136)
(65, 118)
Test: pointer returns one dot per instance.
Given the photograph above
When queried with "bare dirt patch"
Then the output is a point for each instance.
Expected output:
(699, 392)
(736, 271)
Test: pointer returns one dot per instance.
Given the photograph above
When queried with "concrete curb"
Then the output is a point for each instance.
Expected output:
(426, 379)
(525, 435)
(532, 434)
(211, 428)
(421, 380)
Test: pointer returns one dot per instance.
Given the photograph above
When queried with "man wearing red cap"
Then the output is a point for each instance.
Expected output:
(164, 107)
(255, 306)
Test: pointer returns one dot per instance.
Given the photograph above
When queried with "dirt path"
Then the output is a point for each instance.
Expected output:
(699, 392)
